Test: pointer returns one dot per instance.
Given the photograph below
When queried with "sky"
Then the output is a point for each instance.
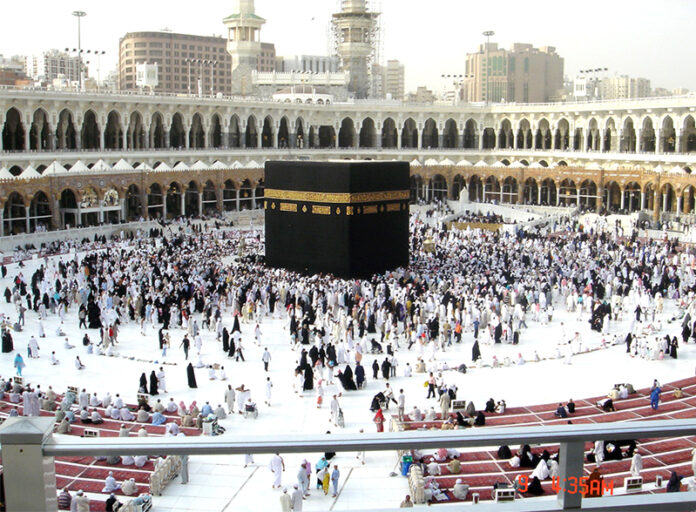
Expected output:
(639, 38)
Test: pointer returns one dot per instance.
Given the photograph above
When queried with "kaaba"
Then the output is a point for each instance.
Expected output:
(349, 219)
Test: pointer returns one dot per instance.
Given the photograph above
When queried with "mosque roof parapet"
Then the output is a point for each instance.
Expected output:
(122, 165)
(5, 174)
(55, 169)
(29, 174)
(79, 167)
(101, 166)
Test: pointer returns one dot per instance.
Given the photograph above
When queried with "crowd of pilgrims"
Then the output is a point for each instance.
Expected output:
(483, 283)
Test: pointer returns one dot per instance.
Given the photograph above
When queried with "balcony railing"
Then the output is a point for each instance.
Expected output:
(28, 449)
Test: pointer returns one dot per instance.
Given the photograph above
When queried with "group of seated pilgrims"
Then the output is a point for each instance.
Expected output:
(83, 407)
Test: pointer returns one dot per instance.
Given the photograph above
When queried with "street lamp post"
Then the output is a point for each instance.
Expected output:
(79, 15)
(488, 34)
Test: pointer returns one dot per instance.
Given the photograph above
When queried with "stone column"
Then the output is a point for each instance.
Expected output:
(219, 191)
(206, 139)
(356, 137)
(656, 203)
(292, 139)
(440, 136)
(571, 141)
(678, 146)
(27, 211)
(259, 137)
(242, 136)
(2, 219)
(623, 199)
(225, 140)
(124, 137)
(659, 143)
(539, 194)
(183, 201)
(378, 136)
(200, 203)
(679, 204)
(419, 128)
(25, 466)
(101, 139)
(639, 137)
(144, 210)
(167, 139)
(480, 141)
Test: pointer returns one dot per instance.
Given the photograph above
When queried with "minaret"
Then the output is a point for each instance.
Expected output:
(243, 44)
(355, 36)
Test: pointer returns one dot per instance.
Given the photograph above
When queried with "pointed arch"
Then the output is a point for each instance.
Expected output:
(196, 135)
(66, 135)
(430, 134)
(13, 133)
(40, 132)
(346, 134)
(157, 133)
(235, 136)
(135, 134)
(251, 134)
(113, 132)
(367, 133)
(283, 133)
(215, 139)
(450, 135)
(390, 135)
(267, 133)
(409, 134)
(177, 132)
(90, 134)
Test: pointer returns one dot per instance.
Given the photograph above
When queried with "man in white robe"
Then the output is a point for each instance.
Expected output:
(277, 466)
(285, 501)
(161, 381)
(636, 463)
(297, 499)
(110, 484)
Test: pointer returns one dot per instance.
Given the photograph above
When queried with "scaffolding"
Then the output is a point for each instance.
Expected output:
(357, 55)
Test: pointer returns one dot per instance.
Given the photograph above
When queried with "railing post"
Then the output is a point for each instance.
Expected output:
(24, 465)
(570, 456)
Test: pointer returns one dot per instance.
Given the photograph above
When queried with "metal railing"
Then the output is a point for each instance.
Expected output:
(27, 442)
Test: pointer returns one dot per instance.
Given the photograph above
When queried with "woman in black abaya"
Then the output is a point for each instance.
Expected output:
(225, 340)
(475, 351)
(153, 383)
(191, 376)
(308, 378)
(142, 386)
(235, 326)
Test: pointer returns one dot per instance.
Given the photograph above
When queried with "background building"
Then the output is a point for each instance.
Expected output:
(182, 60)
(305, 63)
(12, 71)
(621, 87)
(422, 95)
(54, 64)
(523, 74)
(395, 79)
